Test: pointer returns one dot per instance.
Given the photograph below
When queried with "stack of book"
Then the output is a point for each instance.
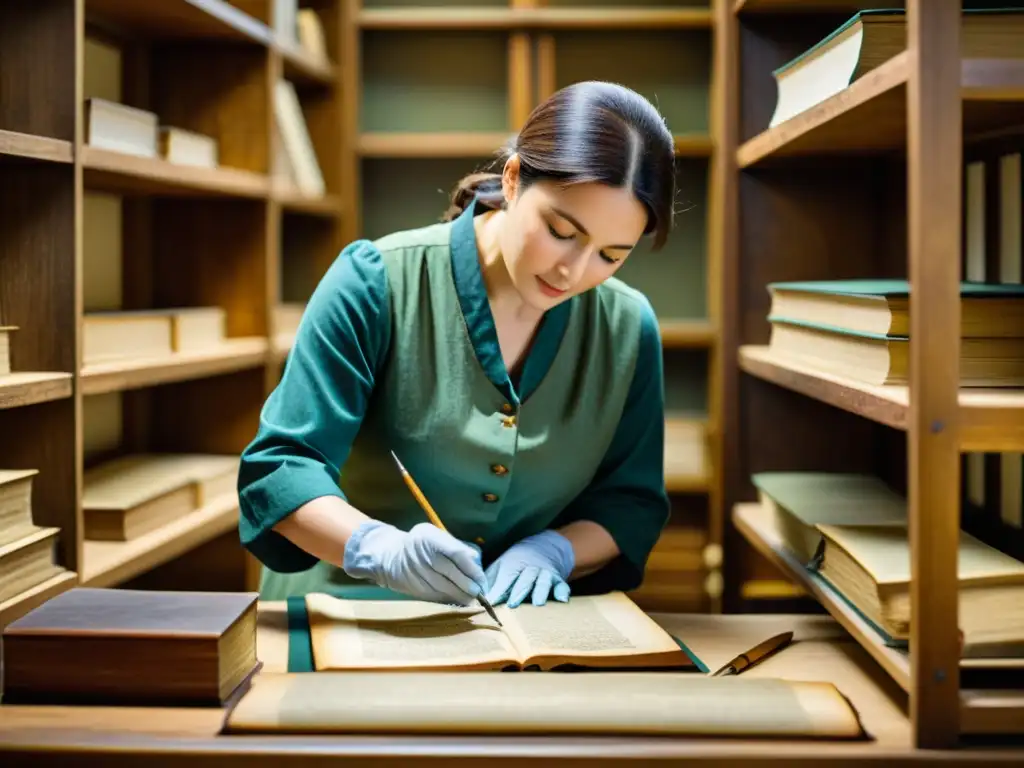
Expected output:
(27, 550)
(851, 531)
(860, 330)
(134, 647)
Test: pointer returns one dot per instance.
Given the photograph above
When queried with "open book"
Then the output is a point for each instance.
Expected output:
(606, 631)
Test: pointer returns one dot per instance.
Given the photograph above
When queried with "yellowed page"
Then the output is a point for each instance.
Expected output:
(652, 703)
(884, 552)
(587, 627)
(401, 634)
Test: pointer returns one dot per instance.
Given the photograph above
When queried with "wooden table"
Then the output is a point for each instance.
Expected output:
(157, 737)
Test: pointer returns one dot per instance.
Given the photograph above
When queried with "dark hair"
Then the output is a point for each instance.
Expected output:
(589, 132)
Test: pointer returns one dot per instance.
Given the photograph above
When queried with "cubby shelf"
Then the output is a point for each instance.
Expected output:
(25, 145)
(870, 116)
(20, 389)
(870, 183)
(441, 17)
(121, 375)
(989, 419)
(108, 563)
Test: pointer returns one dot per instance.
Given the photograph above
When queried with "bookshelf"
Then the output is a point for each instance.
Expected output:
(85, 228)
(441, 86)
(870, 183)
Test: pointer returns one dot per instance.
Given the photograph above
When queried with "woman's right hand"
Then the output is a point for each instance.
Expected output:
(424, 562)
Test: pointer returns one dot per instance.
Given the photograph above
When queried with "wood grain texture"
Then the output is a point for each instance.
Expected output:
(934, 170)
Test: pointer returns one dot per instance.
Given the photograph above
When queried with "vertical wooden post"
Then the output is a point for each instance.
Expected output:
(723, 286)
(350, 82)
(934, 145)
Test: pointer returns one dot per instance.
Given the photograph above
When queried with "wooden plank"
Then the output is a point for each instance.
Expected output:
(753, 521)
(236, 355)
(20, 389)
(472, 18)
(18, 606)
(119, 172)
(470, 144)
(808, 6)
(15, 144)
(180, 19)
(294, 201)
(693, 145)
(989, 420)
(933, 468)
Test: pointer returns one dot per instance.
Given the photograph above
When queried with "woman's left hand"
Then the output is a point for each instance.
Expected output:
(538, 566)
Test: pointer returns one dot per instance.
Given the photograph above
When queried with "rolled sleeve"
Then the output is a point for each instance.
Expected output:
(627, 496)
(310, 420)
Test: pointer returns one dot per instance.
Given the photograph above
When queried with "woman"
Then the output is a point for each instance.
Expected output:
(514, 377)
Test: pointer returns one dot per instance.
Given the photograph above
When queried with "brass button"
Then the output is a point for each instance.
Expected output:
(508, 421)
(499, 469)
(507, 408)
(479, 539)
(490, 498)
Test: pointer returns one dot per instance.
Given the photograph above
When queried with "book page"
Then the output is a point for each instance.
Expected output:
(400, 634)
(586, 626)
(650, 703)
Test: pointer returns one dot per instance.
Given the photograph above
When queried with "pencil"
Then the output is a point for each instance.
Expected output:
(434, 519)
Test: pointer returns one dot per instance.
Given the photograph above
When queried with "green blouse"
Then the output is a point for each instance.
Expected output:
(397, 350)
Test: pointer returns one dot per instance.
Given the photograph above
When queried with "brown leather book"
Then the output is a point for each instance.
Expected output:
(121, 646)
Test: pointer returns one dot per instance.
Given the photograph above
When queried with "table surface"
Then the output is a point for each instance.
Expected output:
(821, 650)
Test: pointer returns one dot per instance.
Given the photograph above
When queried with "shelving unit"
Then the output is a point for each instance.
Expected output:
(865, 184)
(85, 228)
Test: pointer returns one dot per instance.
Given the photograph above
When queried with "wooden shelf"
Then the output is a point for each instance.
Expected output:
(982, 711)
(18, 606)
(181, 19)
(301, 68)
(808, 6)
(754, 523)
(120, 172)
(687, 334)
(870, 116)
(294, 201)
(990, 419)
(19, 389)
(116, 376)
(108, 563)
(469, 144)
(537, 18)
(687, 463)
(24, 145)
